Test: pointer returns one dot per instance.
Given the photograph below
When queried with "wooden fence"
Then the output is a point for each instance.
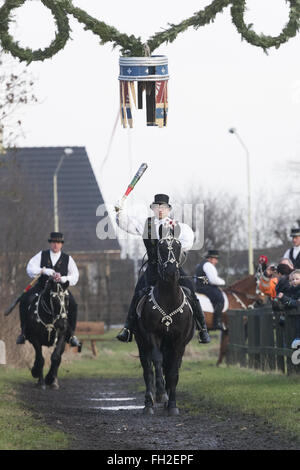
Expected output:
(259, 340)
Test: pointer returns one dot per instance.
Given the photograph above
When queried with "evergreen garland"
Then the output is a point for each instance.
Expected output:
(130, 45)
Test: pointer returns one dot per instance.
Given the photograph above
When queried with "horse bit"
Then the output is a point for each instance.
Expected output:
(61, 294)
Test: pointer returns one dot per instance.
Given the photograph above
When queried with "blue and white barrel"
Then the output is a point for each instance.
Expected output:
(143, 69)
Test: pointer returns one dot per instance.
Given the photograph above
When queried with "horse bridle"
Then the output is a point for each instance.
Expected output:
(61, 294)
(171, 256)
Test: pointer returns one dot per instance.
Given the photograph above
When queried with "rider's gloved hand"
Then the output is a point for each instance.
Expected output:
(118, 206)
(48, 271)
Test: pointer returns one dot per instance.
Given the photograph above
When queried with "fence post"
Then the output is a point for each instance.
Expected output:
(267, 359)
(241, 339)
(280, 343)
(230, 350)
(253, 340)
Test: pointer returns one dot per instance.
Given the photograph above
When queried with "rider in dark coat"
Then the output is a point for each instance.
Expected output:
(62, 267)
(152, 230)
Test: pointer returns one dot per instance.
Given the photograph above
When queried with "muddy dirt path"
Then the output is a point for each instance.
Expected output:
(102, 414)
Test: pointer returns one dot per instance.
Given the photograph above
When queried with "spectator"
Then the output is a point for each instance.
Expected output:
(275, 279)
(291, 298)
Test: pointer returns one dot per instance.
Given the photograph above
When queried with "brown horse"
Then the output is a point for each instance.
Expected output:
(241, 295)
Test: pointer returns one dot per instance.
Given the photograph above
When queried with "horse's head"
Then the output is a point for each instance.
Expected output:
(55, 295)
(168, 255)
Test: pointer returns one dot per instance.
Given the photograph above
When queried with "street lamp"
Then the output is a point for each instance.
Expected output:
(67, 152)
(232, 130)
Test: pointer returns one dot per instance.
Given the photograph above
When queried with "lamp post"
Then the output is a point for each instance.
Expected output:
(67, 151)
(232, 130)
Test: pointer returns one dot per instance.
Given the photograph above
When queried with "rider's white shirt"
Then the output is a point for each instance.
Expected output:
(296, 251)
(135, 226)
(212, 274)
(34, 267)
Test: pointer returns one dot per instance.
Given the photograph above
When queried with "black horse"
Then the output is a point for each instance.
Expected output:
(164, 328)
(47, 325)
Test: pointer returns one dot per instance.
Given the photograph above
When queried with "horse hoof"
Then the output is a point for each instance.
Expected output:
(148, 410)
(54, 385)
(173, 411)
(40, 386)
(35, 373)
(163, 398)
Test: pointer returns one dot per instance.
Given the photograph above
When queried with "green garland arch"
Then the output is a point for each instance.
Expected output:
(130, 45)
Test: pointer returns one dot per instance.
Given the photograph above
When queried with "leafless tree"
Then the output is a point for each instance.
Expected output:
(16, 92)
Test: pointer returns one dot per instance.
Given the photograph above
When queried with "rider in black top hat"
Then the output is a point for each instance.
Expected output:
(152, 230)
(294, 253)
(62, 267)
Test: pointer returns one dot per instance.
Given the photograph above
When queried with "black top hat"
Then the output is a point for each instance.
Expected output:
(56, 237)
(161, 199)
(212, 254)
(295, 232)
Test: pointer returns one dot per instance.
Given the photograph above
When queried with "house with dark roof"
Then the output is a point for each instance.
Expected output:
(78, 193)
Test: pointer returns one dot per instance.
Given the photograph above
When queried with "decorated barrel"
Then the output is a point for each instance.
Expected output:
(151, 75)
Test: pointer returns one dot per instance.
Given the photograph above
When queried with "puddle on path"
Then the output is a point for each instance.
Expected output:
(116, 407)
(112, 399)
(119, 407)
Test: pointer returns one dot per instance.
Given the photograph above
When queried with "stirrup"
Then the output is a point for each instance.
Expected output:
(73, 341)
(21, 339)
(125, 335)
(204, 337)
(220, 326)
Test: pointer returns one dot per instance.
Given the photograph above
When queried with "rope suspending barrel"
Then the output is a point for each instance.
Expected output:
(151, 75)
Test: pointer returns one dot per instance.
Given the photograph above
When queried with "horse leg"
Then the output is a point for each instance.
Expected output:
(146, 362)
(157, 358)
(51, 377)
(149, 382)
(223, 346)
(172, 365)
(37, 369)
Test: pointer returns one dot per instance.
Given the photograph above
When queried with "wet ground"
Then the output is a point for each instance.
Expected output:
(102, 414)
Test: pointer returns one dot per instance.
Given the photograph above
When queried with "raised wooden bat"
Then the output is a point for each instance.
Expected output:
(15, 302)
(134, 181)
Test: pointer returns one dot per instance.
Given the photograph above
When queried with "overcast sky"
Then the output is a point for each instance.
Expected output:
(216, 81)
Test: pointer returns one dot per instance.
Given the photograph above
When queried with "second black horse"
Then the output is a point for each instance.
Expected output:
(47, 325)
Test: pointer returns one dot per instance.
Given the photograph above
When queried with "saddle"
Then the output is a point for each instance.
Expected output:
(206, 304)
(145, 292)
(142, 300)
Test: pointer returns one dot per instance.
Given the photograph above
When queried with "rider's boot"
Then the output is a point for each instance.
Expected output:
(125, 334)
(200, 322)
(217, 325)
(21, 338)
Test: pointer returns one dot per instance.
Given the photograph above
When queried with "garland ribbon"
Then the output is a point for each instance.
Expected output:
(130, 45)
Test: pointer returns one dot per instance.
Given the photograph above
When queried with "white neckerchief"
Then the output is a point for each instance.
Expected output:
(54, 257)
(162, 221)
(296, 251)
